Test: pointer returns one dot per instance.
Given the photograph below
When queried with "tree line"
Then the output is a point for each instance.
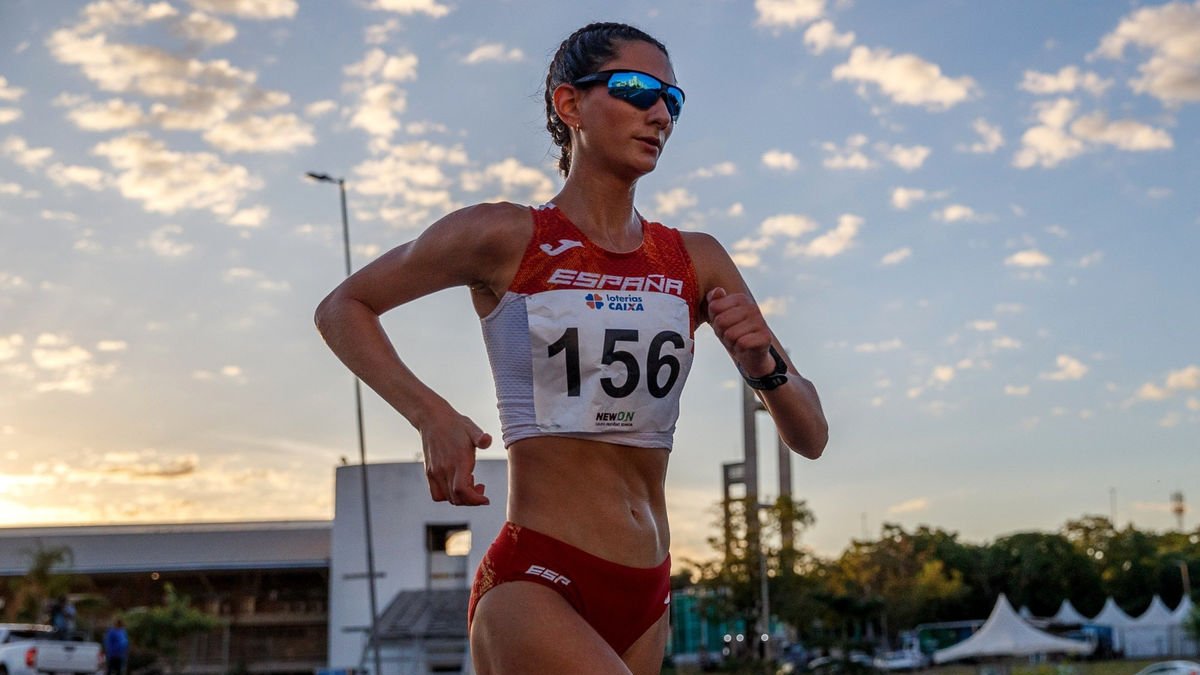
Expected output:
(878, 587)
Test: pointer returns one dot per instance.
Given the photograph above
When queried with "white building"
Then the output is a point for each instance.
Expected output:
(425, 556)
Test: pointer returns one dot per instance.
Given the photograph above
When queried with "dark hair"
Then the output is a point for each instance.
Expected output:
(581, 54)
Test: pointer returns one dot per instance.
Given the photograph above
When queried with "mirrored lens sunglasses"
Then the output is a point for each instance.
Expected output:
(640, 89)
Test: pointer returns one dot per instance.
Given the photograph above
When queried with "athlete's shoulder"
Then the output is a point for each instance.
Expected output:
(702, 246)
(489, 217)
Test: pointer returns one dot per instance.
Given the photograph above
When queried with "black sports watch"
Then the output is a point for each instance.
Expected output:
(771, 380)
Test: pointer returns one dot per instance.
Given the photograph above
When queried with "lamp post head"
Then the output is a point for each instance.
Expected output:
(322, 177)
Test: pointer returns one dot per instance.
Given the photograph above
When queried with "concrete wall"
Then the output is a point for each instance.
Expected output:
(400, 510)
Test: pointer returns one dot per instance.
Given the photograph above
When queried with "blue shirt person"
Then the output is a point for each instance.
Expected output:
(116, 647)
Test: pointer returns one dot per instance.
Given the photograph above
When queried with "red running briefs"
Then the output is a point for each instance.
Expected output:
(619, 602)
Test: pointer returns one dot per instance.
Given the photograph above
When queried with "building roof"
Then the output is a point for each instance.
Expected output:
(426, 614)
(97, 549)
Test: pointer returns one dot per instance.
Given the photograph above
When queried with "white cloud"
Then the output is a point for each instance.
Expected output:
(1184, 378)
(905, 78)
(1092, 259)
(9, 92)
(249, 9)
(983, 325)
(909, 506)
(378, 63)
(187, 93)
(16, 149)
(879, 347)
(1067, 80)
(673, 201)
(89, 177)
(1172, 34)
(1193, 404)
(278, 133)
(259, 280)
(107, 115)
(823, 35)
(164, 242)
(954, 213)
(942, 374)
(1009, 308)
(833, 242)
(902, 197)
(519, 182)
(1048, 143)
(1152, 392)
(1069, 368)
(896, 257)
(1028, 258)
(1005, 342)
(780, 160)
(166, 181)
(1052, 141)
(319, 108)
(381, 33)
(8, 115)
(850, 156)
(377, 108)
(10, 346)
(63, 366)
(773, 306)
(719, 169)
(200, 27)
(1171, 419)
(429, 7)
(494, 51)
(990, 138)
(788, 225)
(254, 216)
(111, 346)
(908, 158)
(788, 13)
(1123, 134)
(410, 180)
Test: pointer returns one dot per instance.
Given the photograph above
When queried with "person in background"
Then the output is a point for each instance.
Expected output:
(116, 647)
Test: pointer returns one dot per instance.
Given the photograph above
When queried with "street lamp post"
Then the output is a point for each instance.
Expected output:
(362, 446)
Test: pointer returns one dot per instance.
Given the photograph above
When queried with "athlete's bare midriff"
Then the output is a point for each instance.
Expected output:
(606, 499)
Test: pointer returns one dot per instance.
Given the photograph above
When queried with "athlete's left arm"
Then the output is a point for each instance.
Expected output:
(738, 323)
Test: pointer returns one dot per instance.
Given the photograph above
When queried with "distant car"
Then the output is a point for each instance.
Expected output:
(1171, 668)
(901, 660)
(832, 665)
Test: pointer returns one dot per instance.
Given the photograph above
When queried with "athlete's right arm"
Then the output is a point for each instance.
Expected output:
(479, 246)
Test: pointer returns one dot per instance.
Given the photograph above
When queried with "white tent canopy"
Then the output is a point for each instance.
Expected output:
(1184, 610)
(1006, 634)
(1154, 634)
(1115, 618)
(1067, 614)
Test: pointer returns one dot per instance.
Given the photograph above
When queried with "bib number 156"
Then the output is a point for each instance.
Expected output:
(656, 361)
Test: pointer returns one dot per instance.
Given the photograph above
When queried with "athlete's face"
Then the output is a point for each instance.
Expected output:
(617, 133)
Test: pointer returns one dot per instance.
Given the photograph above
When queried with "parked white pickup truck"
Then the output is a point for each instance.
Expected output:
(30, 649)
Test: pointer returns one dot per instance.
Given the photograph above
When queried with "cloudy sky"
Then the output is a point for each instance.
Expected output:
(974, 225)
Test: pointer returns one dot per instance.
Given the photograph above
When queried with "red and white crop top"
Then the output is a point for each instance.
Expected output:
(591, 344)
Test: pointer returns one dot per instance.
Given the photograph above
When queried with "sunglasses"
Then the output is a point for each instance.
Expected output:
(640, 89)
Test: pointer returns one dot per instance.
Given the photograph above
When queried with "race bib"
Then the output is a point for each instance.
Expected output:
(608, 361)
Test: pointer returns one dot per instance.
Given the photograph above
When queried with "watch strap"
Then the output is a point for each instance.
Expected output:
(771, 380)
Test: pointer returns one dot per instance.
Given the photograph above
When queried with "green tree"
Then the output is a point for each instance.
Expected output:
(1040, 570)
(29, 595)
(162, 630)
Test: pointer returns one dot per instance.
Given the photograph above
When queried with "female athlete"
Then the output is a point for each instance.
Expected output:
(588, 314)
